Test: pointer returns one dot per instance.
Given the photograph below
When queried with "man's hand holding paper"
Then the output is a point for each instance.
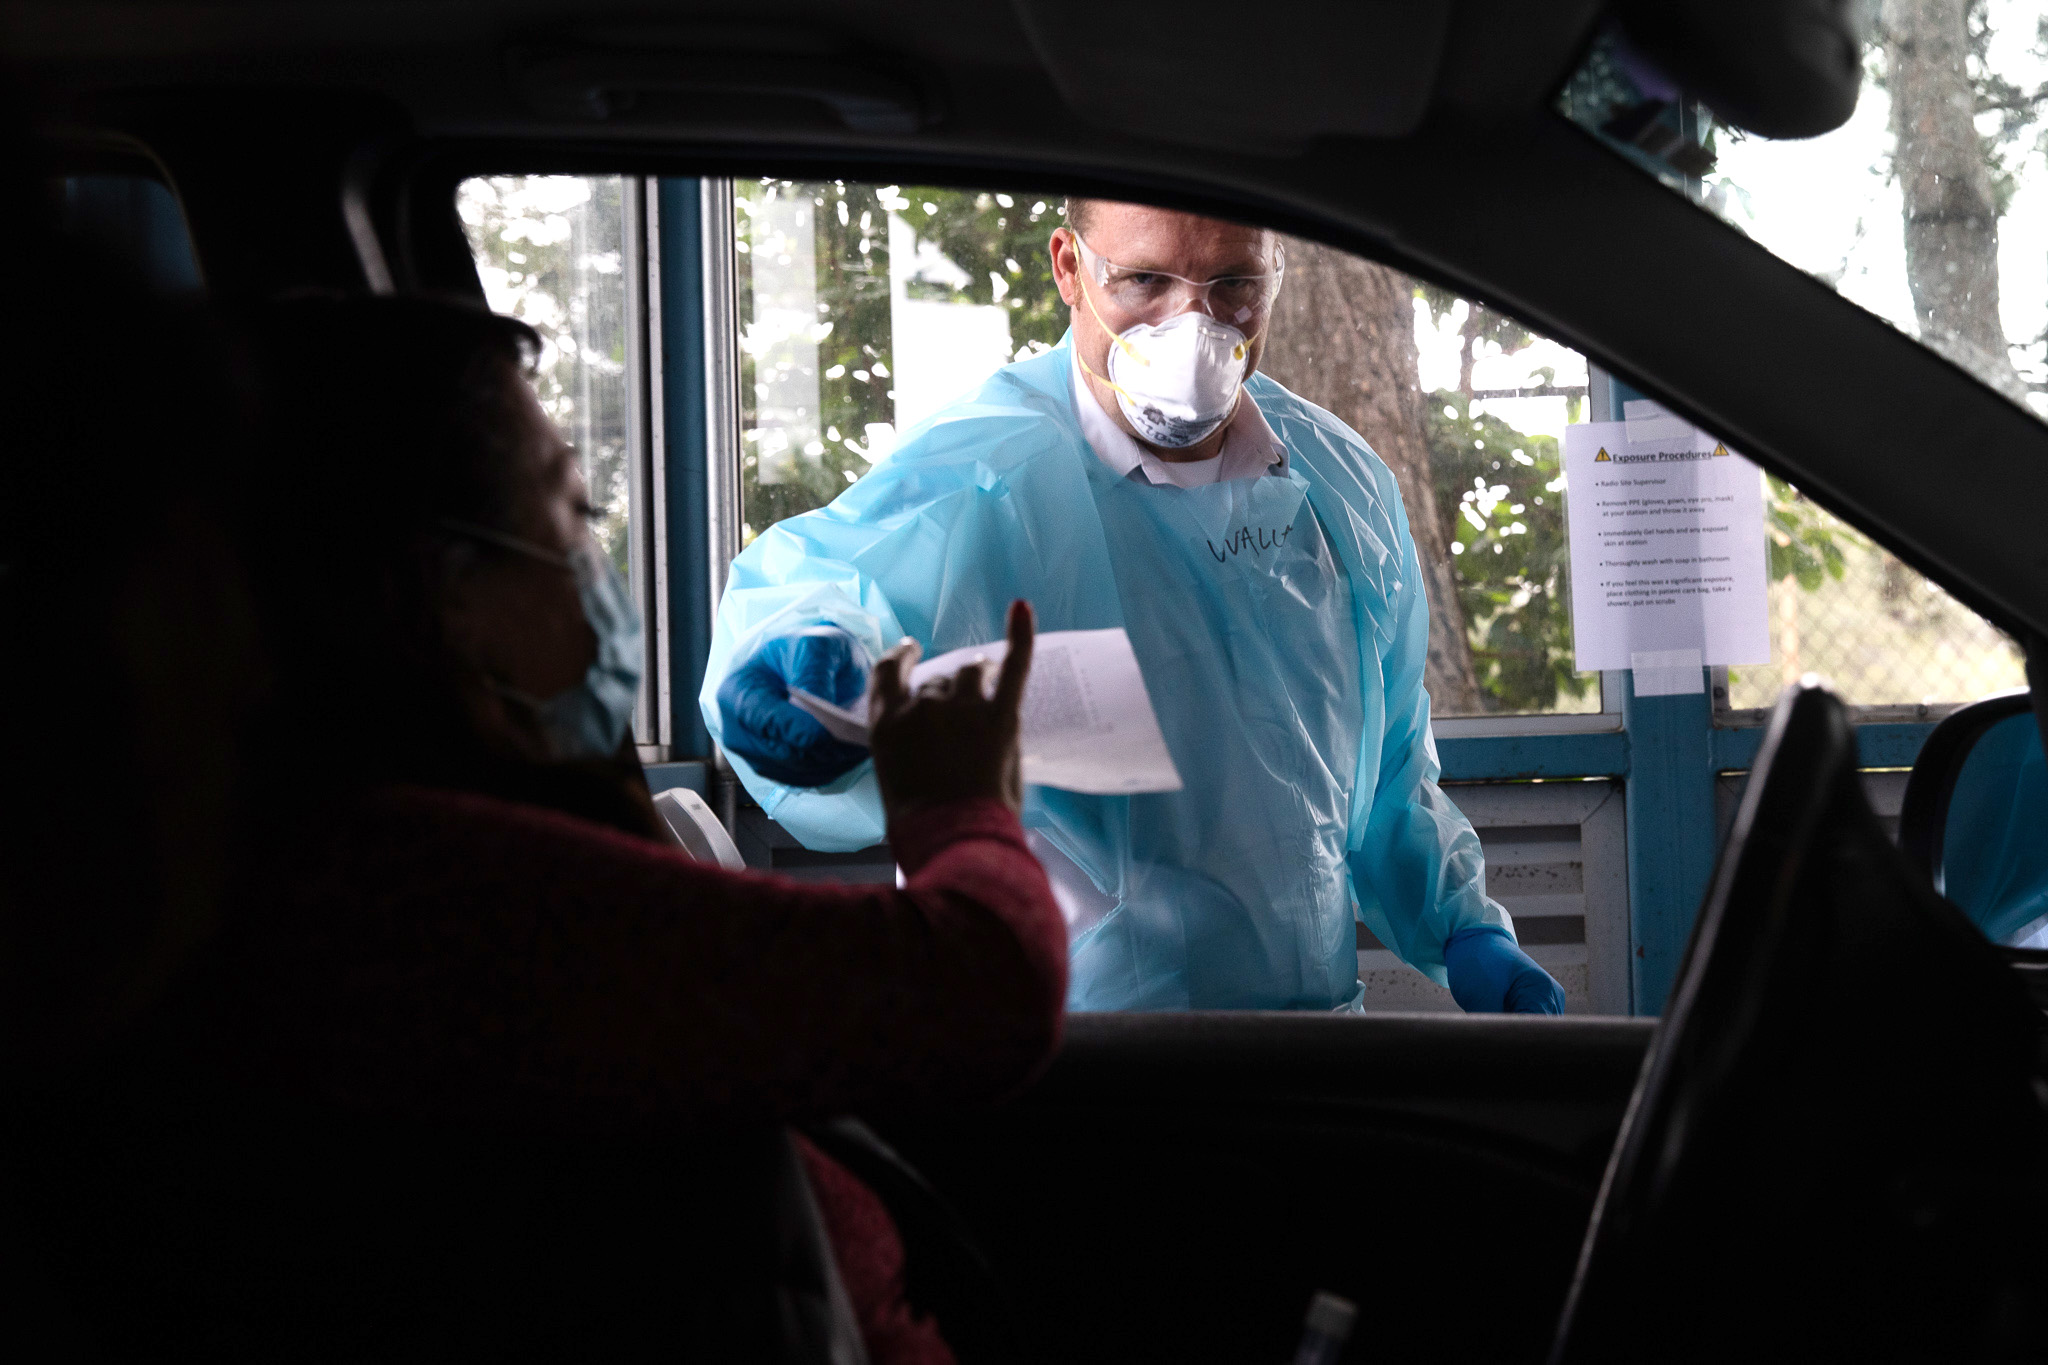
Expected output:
(1088, 724)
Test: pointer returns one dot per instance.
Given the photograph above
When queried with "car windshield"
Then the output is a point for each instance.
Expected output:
(1929, 207)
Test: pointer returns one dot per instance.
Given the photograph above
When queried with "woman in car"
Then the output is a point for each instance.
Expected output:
(462, 932)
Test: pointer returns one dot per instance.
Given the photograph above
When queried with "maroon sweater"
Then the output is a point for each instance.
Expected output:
(452, 954)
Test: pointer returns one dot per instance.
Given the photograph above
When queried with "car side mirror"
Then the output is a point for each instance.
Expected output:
(1975, 818)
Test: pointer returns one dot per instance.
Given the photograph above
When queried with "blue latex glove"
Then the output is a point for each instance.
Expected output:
(1490, 974)
(783, 742)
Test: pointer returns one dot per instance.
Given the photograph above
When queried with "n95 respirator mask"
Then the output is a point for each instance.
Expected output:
(1176, 381)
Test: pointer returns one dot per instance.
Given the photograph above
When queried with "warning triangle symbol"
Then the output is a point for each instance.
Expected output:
(1603, 456)
(1720, 449)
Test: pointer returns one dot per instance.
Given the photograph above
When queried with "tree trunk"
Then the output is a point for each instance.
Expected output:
(1468, 348)
(1343, 337)
(1951, 213)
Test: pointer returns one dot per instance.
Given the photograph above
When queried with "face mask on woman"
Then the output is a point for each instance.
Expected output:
(588, 720)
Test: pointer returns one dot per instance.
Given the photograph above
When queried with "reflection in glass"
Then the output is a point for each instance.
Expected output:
(549, 250)
(1466, 406)
(134, 219)
(1880, 633)
(1929, 208)
(783, 331)
(1994, 863)
(864, 309)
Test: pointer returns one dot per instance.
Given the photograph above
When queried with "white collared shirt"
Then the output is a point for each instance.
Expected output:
(1250, 449)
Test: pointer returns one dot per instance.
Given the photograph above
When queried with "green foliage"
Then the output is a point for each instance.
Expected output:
(850, 238)
(1803, 541)
(1499, 490)
(1500, 494)
(1000, 240)
(997, 240)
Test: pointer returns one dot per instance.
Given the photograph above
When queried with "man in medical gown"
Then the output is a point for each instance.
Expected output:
(1142, 474)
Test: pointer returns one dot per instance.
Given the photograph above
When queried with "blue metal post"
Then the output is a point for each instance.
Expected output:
(1669, 800)
(685, 461)
(1673, 754)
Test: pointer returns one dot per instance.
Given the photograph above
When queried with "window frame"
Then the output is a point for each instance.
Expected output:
(1667, 753)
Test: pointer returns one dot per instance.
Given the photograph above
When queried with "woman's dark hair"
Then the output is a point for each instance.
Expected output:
(381, 419)
(378, 419)
(386, 415)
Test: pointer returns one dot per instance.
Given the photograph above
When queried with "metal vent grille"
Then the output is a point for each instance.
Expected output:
(1556, 861)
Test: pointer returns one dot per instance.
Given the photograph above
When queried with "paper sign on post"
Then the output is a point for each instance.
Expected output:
(1088, 725)
(1667, 550)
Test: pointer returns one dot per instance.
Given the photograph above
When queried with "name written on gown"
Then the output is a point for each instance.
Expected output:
(1254, 540)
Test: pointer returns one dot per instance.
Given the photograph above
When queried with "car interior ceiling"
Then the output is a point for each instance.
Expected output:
(1150, 1197)
(392, 112)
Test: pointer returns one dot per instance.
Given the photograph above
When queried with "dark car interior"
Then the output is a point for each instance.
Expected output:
(1780, 1167)
(1773, 1180)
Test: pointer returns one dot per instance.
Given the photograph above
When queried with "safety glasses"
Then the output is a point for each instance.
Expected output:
(1155, 295)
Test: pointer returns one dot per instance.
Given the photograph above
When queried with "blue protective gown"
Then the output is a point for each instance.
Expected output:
(1994, 853)
(1282, 629)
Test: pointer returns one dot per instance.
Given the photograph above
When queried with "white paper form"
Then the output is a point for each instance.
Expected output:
(1088, 725)
(1667, 550)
